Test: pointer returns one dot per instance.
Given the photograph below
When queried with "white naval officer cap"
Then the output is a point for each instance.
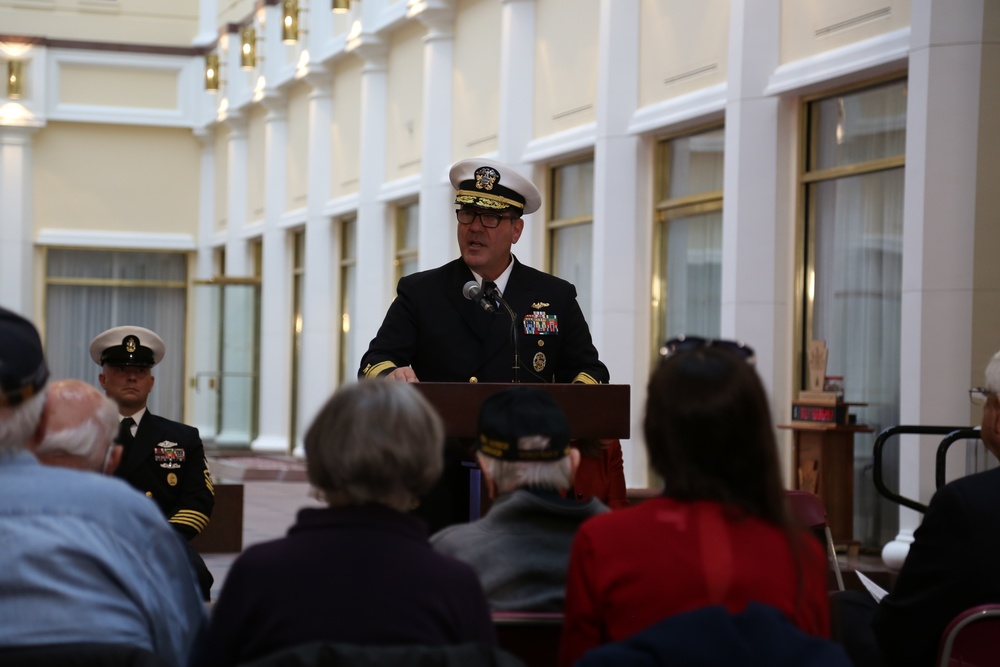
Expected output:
(127, 346)
(490, 184)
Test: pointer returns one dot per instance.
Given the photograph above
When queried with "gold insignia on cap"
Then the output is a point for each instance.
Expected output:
(486, 178)
(131, 343)
(539, 304)
(172, 479)
(538, 362)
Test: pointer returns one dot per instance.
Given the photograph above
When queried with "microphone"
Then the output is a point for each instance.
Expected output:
(473, 292)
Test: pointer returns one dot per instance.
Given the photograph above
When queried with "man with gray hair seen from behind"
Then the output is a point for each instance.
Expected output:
(520, 549)
(950, 567)
(91, 567)
(79, 426)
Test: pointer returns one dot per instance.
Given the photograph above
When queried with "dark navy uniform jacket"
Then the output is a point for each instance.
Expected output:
(167, 463)
(445, 337)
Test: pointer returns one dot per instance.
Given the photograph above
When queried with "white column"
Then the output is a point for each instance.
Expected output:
(437, 239)
(950, 194)
(517, 103)
(375, 286)
(202, 406)
(617, 323)
(273, 404)
(318, 368)
(16, 221)
(757, 273)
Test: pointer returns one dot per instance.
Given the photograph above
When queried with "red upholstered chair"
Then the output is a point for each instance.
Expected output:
(808, 508)
(972, 639)
(531, 636)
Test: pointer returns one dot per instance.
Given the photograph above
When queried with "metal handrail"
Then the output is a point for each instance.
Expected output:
(966, 433)
(877, 456)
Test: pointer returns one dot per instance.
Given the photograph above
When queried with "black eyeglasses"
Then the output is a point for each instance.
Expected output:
(979, 395)
(687, 343)
(488, 220)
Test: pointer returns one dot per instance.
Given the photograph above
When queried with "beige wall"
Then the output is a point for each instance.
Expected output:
(221, 176)
(256, 163)
(345, 134)
(117, 86)
(116, 178)
(682, 47)
(476, 80)
(565, 65)
(173, 23)
(404, 113)
(809, 27)
(297, 158)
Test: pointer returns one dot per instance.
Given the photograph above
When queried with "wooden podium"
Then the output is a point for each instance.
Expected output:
(593, 411)
(824, 465)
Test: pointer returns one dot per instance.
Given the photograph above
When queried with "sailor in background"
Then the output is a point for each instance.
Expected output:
(163, 459)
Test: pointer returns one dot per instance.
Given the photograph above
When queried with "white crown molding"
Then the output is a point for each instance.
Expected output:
(399, 189)
(294, 218)
(679, 110)
(861, 57)
(576, 139)
(342, 206)
(72, 238)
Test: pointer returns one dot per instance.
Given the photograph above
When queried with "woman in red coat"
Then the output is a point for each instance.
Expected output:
(719, 535)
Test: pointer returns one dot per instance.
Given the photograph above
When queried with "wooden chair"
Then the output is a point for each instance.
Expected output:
(972, 639)
(808, 508)
(531, 636)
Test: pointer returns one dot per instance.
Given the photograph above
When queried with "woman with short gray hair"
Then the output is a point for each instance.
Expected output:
(359, 571)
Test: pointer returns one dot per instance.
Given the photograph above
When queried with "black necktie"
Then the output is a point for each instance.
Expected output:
(125, 436)
(490, 291)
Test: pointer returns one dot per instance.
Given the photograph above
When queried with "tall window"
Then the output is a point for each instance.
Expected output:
(687, 260)
(407, 252)
(853, 190)
(88, 291)
(348, 302)
(298, 299)
(571, 226)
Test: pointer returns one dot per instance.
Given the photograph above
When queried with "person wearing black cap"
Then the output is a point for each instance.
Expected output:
(90, 568)
(436, 330)
(520, 549)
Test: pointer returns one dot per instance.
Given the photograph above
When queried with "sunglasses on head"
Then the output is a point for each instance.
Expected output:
(688, 343)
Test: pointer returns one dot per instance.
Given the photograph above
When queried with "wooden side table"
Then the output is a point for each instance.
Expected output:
(824, 465)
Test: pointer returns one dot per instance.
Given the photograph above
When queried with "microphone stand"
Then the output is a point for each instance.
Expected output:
(495, 294)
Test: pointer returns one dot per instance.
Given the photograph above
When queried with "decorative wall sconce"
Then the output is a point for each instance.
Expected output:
(341, 6)
(15, 79)
(212, 72)
(289, 21)
(248, 48)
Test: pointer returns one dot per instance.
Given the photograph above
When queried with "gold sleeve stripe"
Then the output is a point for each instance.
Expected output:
(374, 371)
(191, 518)
(585, 379)
(190, 524)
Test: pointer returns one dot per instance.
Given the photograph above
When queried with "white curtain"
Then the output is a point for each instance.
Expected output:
(571, 248)
(694, 276)
(75, 313)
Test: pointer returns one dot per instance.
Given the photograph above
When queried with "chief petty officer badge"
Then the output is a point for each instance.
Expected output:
(540, 323)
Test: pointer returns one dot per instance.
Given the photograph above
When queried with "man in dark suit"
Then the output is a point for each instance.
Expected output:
(950, 567)
(452, 323)
(162, 458)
